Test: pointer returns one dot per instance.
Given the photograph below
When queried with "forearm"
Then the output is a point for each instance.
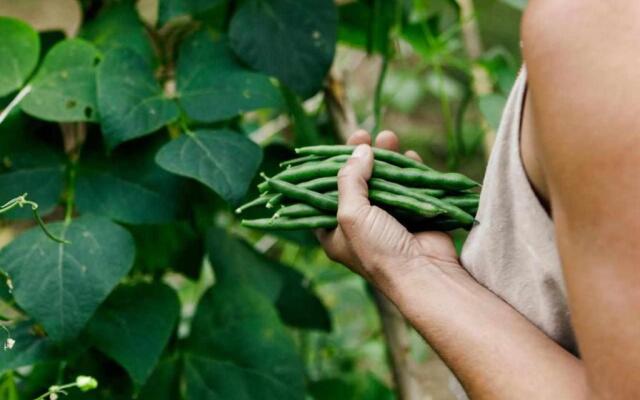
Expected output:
(493, 350)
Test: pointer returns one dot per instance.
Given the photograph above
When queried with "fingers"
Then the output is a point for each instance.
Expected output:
(414, 155)
(352, 185)
(359, 137)
(387, 140)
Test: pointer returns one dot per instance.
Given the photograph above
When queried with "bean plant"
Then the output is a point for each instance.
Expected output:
(124, 151)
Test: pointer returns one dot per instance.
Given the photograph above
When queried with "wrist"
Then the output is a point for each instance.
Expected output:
(405, 281)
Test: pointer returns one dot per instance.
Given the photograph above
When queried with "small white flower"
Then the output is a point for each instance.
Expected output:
(10, 284)
(86, 383)
(8, 345)
(53, 396)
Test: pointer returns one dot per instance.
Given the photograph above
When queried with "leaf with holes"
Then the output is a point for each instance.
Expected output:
(19, 51)
(133, 326)
(251, 355)
(212, 86)
(64, 88)
(61, 286)
(119, 26)
(132, 103)
(293, 40)
(223, 160)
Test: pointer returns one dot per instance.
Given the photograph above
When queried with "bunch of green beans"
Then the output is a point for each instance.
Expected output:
(304, 194)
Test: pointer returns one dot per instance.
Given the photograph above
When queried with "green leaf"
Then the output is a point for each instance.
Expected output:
(119, 26)
(132, 103)
(236, 262)
(31, 164)
(164, 383)
(298, 305)
(212, 86)
(366, 24)
(128, 186)
(61, 286)
(174, 246)
(253, 356)
(32, 346)
(293, 40)
(169, 9)
(19, 51)
(133, 326)
(43, 184)
(223, 160)
(64, 89)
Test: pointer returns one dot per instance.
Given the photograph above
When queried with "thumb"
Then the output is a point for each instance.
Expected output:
(353, 192)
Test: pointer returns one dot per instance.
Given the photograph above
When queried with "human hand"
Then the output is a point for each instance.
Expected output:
(369, 240)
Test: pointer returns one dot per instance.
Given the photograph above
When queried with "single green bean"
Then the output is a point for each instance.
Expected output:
(305, 172)
(300, 160)
(380, 154)
(431, 192)
(404, 203)
(298, 210)
(324, 221)
(258, 201)
(448, 209)
(462, 201)
(415, 177)
(310, 197)
(318, 185)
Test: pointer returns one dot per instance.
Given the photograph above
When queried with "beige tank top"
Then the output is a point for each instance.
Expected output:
(512, 250)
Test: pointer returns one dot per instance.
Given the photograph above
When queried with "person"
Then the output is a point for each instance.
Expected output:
(544, 302)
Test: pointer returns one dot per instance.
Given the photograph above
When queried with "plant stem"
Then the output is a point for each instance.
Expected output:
(71, 192)
(452, 140)
(14, 103)
(377, 100)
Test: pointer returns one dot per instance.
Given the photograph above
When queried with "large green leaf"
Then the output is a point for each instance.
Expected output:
(134, 325)
(212, 86)
(175, 246)
(132, 103)
(223, 160)
(240, 350)
(61, 286)
(293, 40)
(128, 186)
(236, 262)
(169, 9)
(119, 26)
(19, 51)
(31, 347)
(31, 163)
(64, 88)
(164, 383)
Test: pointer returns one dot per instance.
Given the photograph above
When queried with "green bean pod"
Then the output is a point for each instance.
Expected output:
(431, 179)
(392, 157)
(404, 203)
(324, 221)
(305, 172)
(447, 208)
(310, 197)
(464, 202)
(258, 201)
(318, 185)
(298, 210)
(300, 160)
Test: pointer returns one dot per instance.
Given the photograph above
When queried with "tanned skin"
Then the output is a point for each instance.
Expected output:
(581, 149)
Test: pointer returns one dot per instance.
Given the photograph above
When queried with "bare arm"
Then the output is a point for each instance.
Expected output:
(585, 88)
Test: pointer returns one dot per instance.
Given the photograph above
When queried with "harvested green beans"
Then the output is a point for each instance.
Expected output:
(303, 195)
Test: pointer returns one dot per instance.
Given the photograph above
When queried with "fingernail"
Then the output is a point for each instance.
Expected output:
(361, 151)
